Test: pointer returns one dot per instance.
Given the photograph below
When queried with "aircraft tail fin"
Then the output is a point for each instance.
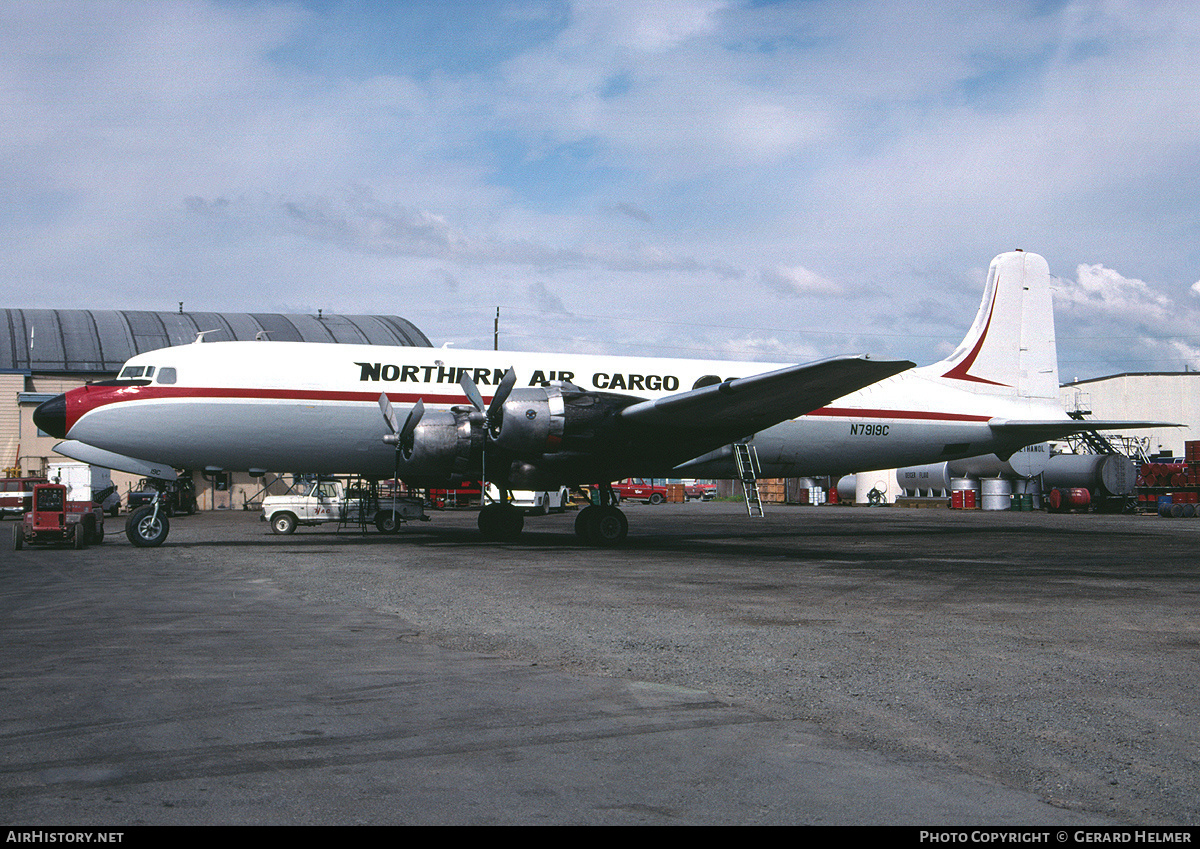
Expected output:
(1010, 349)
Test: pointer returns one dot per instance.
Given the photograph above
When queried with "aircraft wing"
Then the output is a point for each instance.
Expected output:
(746, 405)
(119, 462)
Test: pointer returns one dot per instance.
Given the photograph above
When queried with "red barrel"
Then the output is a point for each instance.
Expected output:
(1069, 499)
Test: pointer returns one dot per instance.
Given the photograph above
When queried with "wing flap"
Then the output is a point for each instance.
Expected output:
(746, 405)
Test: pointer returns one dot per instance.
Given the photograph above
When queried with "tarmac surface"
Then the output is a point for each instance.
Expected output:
(821, 665)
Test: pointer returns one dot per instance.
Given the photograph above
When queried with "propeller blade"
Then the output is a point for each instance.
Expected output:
(472, 391)
(389, 415)
(502, 393)
(410, 423)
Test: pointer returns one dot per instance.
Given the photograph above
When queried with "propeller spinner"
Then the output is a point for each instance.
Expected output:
(493, 413)
(401, 436)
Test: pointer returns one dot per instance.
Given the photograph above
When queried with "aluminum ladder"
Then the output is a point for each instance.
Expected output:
(748, 468)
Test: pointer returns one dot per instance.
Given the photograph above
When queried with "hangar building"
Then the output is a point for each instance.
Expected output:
(46, 352)
(1155, 396)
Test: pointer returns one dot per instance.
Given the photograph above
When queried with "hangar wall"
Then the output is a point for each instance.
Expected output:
(1158, 396)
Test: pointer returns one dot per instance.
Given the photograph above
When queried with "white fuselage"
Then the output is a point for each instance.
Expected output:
(303, 407)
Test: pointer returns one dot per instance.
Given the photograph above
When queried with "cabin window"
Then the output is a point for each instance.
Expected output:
(166, 375)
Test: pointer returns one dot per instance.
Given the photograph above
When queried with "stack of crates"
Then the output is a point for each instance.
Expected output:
(772, 490)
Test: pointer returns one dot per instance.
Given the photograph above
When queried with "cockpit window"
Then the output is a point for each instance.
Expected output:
(132, 371)
(166, 375)
(149, 371)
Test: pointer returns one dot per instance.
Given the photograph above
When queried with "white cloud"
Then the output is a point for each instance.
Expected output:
(219, 152)
(796, 281)
(1102, 290)
(1124, 323)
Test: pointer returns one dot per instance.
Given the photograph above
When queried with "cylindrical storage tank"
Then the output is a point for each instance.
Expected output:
(1029, 461)
(846, 488)
(1111, 474)
(995, 493)
(919, 480)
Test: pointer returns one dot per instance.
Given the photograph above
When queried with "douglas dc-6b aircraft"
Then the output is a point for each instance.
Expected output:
(437, 416)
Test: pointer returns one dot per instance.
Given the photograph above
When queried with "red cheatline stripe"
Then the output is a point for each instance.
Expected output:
(857, 413)
(92, 397)
(962, 370)
(87, 398)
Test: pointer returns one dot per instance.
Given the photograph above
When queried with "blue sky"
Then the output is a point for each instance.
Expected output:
(776, 181)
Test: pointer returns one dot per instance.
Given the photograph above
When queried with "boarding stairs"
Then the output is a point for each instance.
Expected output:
(748, 471)
(1093, 442)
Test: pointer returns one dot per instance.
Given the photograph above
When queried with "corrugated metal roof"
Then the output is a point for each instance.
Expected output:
(99, 341)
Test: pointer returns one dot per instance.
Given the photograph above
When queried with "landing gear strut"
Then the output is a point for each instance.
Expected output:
(602, 525)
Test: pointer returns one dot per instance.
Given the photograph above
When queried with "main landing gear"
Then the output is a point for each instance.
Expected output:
(602, 525)
(501, 522)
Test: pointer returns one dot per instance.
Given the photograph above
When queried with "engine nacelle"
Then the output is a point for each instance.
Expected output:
(533, 421)
(544, 433)
(446, 449)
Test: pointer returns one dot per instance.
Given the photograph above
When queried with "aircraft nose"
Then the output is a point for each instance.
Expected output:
(51, 416)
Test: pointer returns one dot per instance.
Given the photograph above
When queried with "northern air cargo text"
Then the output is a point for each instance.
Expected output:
(391, 373)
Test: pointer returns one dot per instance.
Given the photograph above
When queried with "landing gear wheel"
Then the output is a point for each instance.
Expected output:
(387, 521)
(145, 530)
(606, 527)
(581, 520)
(283, 523)
(500, 522)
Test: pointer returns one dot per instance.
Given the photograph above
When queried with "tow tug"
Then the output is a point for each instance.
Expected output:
(53, 520)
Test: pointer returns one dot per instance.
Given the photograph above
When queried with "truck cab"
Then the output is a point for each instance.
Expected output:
(316, 502)
(641, 489)
(16, 495)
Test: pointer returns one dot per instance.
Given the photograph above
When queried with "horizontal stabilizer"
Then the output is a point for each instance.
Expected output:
(750, 404)
(1040, 431)
(85, 453)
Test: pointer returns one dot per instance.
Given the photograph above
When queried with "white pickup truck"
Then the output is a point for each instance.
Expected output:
(534, 503)
(320, 501)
